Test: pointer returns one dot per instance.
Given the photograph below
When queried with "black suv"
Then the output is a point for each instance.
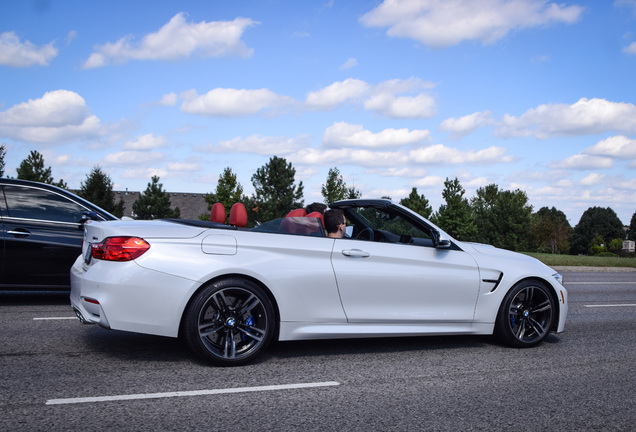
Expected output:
(41, 235)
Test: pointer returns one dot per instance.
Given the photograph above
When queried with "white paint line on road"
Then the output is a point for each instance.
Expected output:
(611, 305)
(189, 393)
(600, 283)
(54, 318)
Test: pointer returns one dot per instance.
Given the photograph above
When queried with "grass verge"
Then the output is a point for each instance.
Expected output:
(582, 261)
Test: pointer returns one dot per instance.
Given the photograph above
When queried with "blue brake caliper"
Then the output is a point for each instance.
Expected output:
(248, 322)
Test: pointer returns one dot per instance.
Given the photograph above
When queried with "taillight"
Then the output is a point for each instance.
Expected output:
(119, 249)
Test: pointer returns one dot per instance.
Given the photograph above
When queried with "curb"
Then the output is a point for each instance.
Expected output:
(594, 269)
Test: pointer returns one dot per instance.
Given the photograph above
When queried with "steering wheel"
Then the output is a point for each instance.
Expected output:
(365, 234)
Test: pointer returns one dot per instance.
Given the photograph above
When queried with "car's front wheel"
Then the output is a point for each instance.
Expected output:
(526, 315)
(229, 322)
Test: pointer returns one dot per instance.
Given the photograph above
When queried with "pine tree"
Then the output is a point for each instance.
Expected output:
(32, 168)
(418, 203)
(228, 191)
(98, 189)
(455, 217)
(275, 192)
(3, 153)
(154, 203)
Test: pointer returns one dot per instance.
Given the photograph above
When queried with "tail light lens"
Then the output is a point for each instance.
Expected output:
(119, 249)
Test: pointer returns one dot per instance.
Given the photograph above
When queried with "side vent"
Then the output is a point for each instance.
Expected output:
(495, 282)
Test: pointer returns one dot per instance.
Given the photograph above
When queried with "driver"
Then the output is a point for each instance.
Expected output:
(335, 223)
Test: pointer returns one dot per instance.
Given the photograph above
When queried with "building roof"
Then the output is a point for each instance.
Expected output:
(191, 205)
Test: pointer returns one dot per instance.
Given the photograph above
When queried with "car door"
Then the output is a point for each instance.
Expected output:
(42, 235)
(397, 275)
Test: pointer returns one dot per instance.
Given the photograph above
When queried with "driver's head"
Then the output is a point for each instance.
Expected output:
(335, 223)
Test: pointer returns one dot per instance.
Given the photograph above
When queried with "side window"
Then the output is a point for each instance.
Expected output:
(39, 204)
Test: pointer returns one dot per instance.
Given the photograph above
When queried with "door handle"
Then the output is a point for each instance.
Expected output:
(21, 233)
(356, 253)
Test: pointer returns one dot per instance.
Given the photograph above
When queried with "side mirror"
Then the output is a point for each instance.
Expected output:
(441, 241)
(86, 216)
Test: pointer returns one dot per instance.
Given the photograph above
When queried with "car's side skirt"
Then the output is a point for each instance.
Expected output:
(304, 331)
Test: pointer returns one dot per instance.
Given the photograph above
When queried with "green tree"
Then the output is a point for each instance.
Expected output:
(154, 203)
(550, 231)
(455, 217)
(98, 189)
(595, 221)
(502, 217)
(228, 191)
(336, 188)
(632, 228)
(3, 153)
(418, 203)
(275, 192)
(32, 168)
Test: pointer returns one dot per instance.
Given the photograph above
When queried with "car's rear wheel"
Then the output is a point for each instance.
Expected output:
(229, 322)
(526, 315)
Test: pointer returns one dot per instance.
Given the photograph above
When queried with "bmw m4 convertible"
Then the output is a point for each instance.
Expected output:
(229, 291)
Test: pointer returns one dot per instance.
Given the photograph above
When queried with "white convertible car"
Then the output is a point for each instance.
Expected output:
(229, 291)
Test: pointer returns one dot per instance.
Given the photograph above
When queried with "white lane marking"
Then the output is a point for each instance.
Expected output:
(599, 283)
(189, 393)
(54, 318)
(611, 305)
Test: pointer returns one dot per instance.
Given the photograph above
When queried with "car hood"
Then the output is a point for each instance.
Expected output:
(490, 257)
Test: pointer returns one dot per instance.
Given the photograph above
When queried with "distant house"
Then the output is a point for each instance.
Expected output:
(628, 246)
(191, 205)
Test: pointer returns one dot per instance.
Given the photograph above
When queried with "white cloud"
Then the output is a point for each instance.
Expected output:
(183, 167)
(462, 126)
(584, 162)
(382, 98)
(226, 102)
(586, 116)
(442, 23)
(256, 144)
(144, 173)
(630, 49)
(344, 156)
(342, 134)
(169, 99)
(58, 116)
(420, 106)
(441, 154)
(350, 63)
(619, 147)
(176, 40)
(337, 93)
(133, 157)
(15, 53)
(429, 181)
(592, 179)
(146, 142)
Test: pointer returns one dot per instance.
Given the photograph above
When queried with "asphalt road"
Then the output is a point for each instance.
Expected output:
(583, 379)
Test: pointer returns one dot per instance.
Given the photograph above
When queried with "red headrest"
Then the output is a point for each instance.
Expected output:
(319, 216)
(218, 213)
(297, 213)
(238, 215)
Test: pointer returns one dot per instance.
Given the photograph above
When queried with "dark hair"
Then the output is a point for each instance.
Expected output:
(316, 207)
(333, 218)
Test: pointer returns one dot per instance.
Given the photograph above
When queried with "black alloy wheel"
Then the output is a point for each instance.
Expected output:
(230, 322)
(526, 315)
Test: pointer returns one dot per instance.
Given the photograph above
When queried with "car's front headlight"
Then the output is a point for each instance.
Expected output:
(558, 277)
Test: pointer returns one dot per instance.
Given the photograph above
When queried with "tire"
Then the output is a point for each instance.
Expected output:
(229, 322)
(526, 315)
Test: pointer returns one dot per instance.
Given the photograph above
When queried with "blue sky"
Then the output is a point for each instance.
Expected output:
(527, 94)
